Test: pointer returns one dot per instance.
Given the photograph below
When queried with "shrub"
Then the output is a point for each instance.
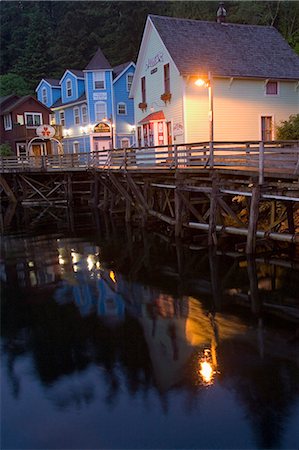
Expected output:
(5, 150)
(289, 129)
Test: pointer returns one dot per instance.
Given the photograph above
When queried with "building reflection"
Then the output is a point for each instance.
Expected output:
(68, 303)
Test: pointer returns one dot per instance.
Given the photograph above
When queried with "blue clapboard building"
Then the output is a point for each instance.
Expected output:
(92, 105)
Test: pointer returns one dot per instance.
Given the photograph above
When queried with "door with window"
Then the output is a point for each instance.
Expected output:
(267, 128)
(38, 149)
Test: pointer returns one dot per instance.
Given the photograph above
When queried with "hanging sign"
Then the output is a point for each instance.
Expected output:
(45, 131)
(178, 129)
(101, 127)
(152, 62)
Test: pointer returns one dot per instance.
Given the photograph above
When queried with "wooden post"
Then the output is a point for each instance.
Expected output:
(69, 189)
(178, 204)
(290, 216)
(8, 191)
(212, 238)
(261, 162)
(253, 284)
(253, 218)
(96, 190)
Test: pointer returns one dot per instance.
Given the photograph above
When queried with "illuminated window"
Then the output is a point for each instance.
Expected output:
(61, 118)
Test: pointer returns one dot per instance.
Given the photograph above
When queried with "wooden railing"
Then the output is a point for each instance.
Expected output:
(277, 157)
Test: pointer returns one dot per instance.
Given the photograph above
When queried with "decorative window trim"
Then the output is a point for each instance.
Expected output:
(102, 79)
(27, 114)
(61, 113)
(7, 122)
(76, 116)
(277, 88)
(84, 116)
(44, 96)
(95, 110)
(69, 87)
(129, 84)
(119, 106)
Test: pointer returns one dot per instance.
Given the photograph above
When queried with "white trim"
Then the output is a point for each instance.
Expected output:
(19, 144)
(184, 115)
(97, 70)
(68, 105)
(8, 124)
(76, 108)
(117, 109)
(265, 88)
(73, 147)
(33, 114)
(95, 110)
(124, 70)
(67, 89)
(47, 82)
(44, 89)
(70, 72)
(130, 74)
(94, 81)
(86, 115)
(59, 114)
(267, 114)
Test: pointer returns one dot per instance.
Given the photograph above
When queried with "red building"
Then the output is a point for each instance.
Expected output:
(20, 117)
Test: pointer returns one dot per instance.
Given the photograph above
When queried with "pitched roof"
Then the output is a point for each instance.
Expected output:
(157, 115)
(60, 103)
(227, 49)
(18, 101)
(118, 69)
(78, 73)
(52, 81)
(4, 101)
(98, 61)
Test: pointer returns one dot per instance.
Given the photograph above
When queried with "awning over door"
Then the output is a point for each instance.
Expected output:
(157, 115)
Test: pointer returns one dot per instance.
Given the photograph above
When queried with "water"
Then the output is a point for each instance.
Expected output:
(114, 338)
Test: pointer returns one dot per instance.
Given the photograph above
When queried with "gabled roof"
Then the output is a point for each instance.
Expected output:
(157, 115)
(77, 73)
(227, 49)
(7, 99)
(118, 71)
(59, 102)
(98, 62)
(19, 101)
(51, 81)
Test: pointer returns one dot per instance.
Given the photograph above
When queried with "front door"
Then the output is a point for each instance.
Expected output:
(267, 128)
(38, 149)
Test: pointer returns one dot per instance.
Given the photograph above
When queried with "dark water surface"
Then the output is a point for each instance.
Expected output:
(114, 338)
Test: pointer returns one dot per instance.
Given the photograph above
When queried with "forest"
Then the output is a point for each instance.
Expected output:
(43, 38)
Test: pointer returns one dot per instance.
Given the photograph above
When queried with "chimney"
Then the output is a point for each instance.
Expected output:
(221, 13)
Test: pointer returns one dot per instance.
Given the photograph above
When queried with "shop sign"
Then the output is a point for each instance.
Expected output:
(45, 131)
(100, 96)
(101, 127)
(152, 62)
(178, 129)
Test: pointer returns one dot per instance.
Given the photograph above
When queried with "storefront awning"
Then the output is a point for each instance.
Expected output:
(157, 115)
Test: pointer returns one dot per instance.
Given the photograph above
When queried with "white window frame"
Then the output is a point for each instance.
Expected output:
(7, 122)
(129, 84)
(44, 96)
(76, 112)
(26, 114)
(19, 144)
(121, 104)
(63, 119)
(125, 139)
(75, 144)
(278, 88)
(84, 115)
(20, 119)
(95, 111)
(99, 77)
(69, 87)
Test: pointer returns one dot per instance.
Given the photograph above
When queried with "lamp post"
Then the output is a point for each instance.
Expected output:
(209, 84)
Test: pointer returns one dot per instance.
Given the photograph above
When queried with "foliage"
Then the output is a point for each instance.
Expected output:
(45, 38)
(289, 129)
(12, 83)
(5, 150)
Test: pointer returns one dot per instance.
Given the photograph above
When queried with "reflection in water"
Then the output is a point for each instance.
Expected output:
(78, 308)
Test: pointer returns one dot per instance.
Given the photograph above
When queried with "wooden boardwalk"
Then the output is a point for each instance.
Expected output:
(248, 189)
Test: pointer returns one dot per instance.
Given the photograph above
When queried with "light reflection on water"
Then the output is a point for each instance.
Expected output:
(121, 332)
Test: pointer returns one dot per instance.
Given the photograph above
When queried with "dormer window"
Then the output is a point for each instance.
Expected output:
(99, 80)
(44, 96)
(129, 81)
(68, 88)
(272, 88)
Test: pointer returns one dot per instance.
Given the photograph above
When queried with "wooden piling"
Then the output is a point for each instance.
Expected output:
(253, 219)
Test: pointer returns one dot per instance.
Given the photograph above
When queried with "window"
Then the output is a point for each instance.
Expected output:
(7, 122)
(76, 147)
(99, 80)
(76, 116)
(52, 119)
(33, 119)
(20, 119)
(129, 81)
(272, 88)
(166, 79)
(61, 118)
(124, 143)
(22, 150)
(68, 88)
(100, 111)
(44, 96)
(121, 109)
(267, 128)
(143, 90)
(84, 114)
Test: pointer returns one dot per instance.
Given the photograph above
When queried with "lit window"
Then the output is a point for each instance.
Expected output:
(121, 109)
(33, 119)
(44, 96)
(272, 88)
(100, 111)
(7, 122)
(69, 88)
(129, 81)
(99, 80)
(76, 116)
(20, 119)
(84, 114)
(61, 118)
